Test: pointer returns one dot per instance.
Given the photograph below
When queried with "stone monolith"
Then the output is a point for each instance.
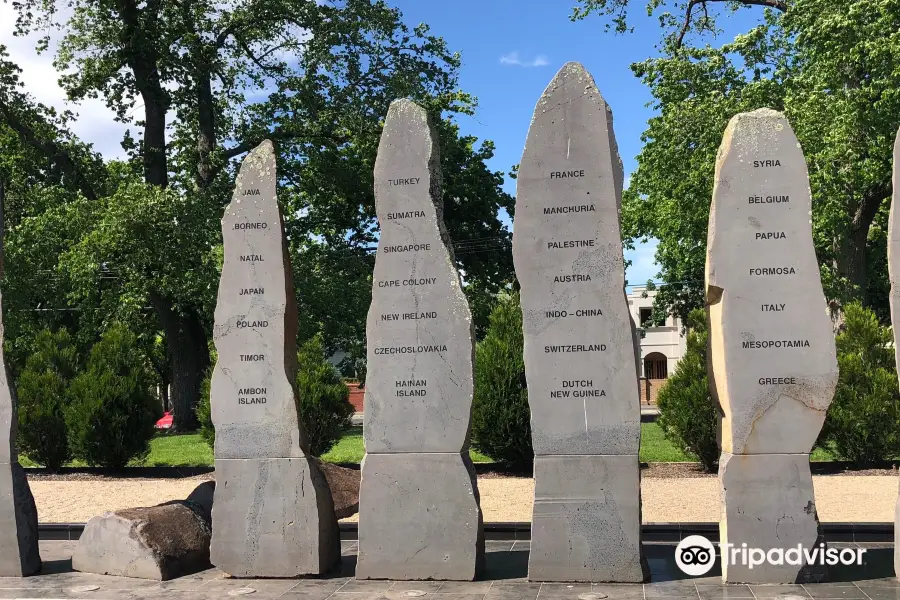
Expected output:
(894, 275)
(579, 340)
(773, 368)
(273, 515)
(19, 555)
(419, 507)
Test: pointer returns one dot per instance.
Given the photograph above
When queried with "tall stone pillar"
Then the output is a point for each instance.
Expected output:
(19, 555)
(419, 513)
(894, 275)
(580, 349)
(273, 515)
(773, 367)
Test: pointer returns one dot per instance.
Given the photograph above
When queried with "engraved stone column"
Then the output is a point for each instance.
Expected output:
(579, 341)
(273, 515)
(894, 275)
(419, 514)
(773, 367)
(18, 514)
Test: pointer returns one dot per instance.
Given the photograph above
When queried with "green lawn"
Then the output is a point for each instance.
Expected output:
(189, 450)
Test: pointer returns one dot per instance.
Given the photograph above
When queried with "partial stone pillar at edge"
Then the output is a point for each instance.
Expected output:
(894, 275)
(419, 507)
(580, 347)
(273, 515)
(773, 366)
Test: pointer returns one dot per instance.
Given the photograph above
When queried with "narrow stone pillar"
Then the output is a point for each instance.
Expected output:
(273, 515)
(419, 514)
(773, 367)
(580, 348)
(894, 275)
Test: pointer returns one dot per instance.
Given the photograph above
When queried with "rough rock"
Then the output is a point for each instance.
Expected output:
(201, 499)
(772, 351)
(768, 502)
(159, 542)
(273, 518)
(344, 486)
(419, 511)
(261, 445)
(581, 352)
(586, 533)
(410, 527)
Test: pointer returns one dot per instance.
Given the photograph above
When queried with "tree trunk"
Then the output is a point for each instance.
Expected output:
(188, 354)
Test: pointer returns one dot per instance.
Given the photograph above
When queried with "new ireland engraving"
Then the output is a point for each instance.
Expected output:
(579, 340)
(894, 276)
(273, 514)
(419, 508)
(772, 355)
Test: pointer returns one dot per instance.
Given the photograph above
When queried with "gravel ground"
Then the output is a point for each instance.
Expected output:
(844, 498)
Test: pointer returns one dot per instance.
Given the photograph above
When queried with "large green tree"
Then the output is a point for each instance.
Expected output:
(831, 67)
(203, 82)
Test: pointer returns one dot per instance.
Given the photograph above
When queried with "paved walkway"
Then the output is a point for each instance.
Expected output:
(687, 500)
(505, 579)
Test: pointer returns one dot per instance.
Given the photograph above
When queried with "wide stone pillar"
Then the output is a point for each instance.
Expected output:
(273, 515)
(418, 502)
(773, 367)
(580, 349)
(894, 275)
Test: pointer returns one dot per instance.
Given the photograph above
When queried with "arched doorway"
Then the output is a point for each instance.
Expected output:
(656, 366)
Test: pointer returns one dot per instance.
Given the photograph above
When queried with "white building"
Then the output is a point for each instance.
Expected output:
(661, 347)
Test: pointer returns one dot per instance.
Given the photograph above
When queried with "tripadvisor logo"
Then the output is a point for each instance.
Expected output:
(695, 555)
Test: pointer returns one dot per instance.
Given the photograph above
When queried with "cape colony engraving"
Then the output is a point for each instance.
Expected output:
(579, 341)
(419, 512)
(273, 514)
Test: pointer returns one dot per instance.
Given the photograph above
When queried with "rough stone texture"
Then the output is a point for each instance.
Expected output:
(159, 542)
(408, 526)
(344, 486)
(749, 310)
(581, 352)
(270, 519)
(19, 555)
(586, 533)
(201, 499)
(418, 498)
(773, 366)
(894, 275)
(263, 527)
(768, 502)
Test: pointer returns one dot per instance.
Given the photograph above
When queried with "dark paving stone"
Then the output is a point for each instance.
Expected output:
(562, 591)
(722, 591)
(421, 586)
(765, 592)
(834, 590)
(465, 587)
(881, 592)
(513, 591)
(498, 546)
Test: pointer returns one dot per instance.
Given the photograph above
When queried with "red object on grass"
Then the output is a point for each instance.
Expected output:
(165, 422)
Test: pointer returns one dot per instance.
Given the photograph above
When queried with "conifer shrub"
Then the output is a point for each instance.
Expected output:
(323, 399)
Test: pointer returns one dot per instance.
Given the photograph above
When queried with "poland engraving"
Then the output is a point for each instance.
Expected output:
(579, 340)
(419, 510)
(273, 515)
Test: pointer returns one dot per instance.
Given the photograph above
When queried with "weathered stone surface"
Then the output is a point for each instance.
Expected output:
(567, 247)
(894, 275)
(201, 499)
(253, 405)
(273, 513)
(419, 512)
(581, 352)
(19, 555)
(273, 518)
(767, 502)
(344, 486)
(419, 328)
(159, 542)
(419, 518)
(772, 352)
(587, 519)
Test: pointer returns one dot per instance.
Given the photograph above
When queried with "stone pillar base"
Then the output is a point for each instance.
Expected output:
(419, 518)
(587, 520)
(19, 555)
(273, 517)
(767, 502)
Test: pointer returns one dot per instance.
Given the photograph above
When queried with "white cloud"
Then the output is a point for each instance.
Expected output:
(95, 124)
(512, 59)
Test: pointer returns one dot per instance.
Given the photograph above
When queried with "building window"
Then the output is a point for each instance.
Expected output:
(644, 315)
(656, 366)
